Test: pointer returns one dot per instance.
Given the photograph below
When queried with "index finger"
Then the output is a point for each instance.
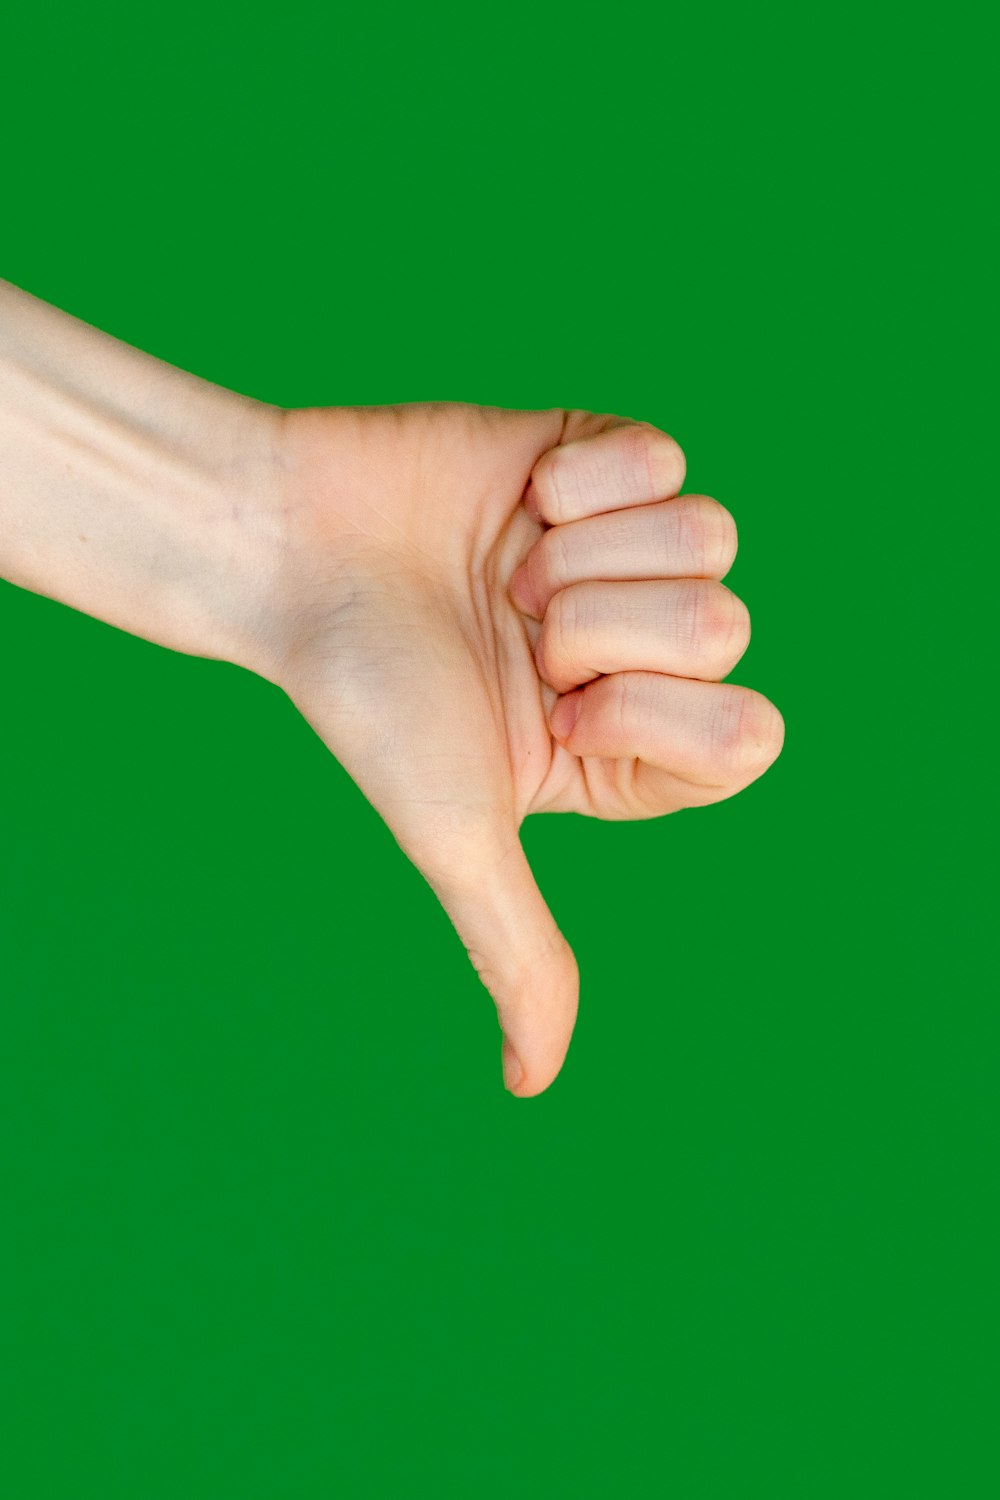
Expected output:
(631, 463)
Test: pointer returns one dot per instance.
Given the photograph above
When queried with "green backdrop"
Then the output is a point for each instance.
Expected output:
(271, 1227)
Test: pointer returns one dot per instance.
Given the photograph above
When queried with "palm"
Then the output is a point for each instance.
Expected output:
(417, 668)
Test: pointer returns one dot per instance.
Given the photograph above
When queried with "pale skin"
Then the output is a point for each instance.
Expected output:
(483, 612)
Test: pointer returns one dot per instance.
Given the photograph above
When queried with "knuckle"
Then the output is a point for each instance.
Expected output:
(704, 534)
(739, 633)
(661, 454)
(746, 733)
(726, 731)
(719, 536)
(763, 734)
(720, 622)
(706, 619)
(561, 624)
(615, 714)
(553, 470)
(552, 563)
(688, 539)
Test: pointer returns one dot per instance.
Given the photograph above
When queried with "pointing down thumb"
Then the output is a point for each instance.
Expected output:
(523, 960)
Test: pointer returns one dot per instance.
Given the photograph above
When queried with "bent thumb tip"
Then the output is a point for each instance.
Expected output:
(522, 959)
(538, 1019)
(513, 1072)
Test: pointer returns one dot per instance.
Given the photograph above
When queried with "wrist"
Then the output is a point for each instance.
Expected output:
(137, 492)
(313, 528)
(241, 536)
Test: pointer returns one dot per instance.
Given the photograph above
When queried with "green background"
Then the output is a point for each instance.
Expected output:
(271, 1225)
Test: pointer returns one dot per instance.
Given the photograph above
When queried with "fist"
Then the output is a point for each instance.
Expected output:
(637, 629)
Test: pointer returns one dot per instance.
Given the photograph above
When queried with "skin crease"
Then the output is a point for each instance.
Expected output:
(399, 639)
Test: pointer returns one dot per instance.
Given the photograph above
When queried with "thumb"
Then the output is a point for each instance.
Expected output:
(523, 960)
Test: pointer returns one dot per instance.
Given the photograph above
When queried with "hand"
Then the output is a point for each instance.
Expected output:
(490, 613)
(367, 559)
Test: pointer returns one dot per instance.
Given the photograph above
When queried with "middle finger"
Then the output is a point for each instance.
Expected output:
(690, 627)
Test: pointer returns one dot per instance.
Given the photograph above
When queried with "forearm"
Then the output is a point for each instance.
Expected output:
(134, 491)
